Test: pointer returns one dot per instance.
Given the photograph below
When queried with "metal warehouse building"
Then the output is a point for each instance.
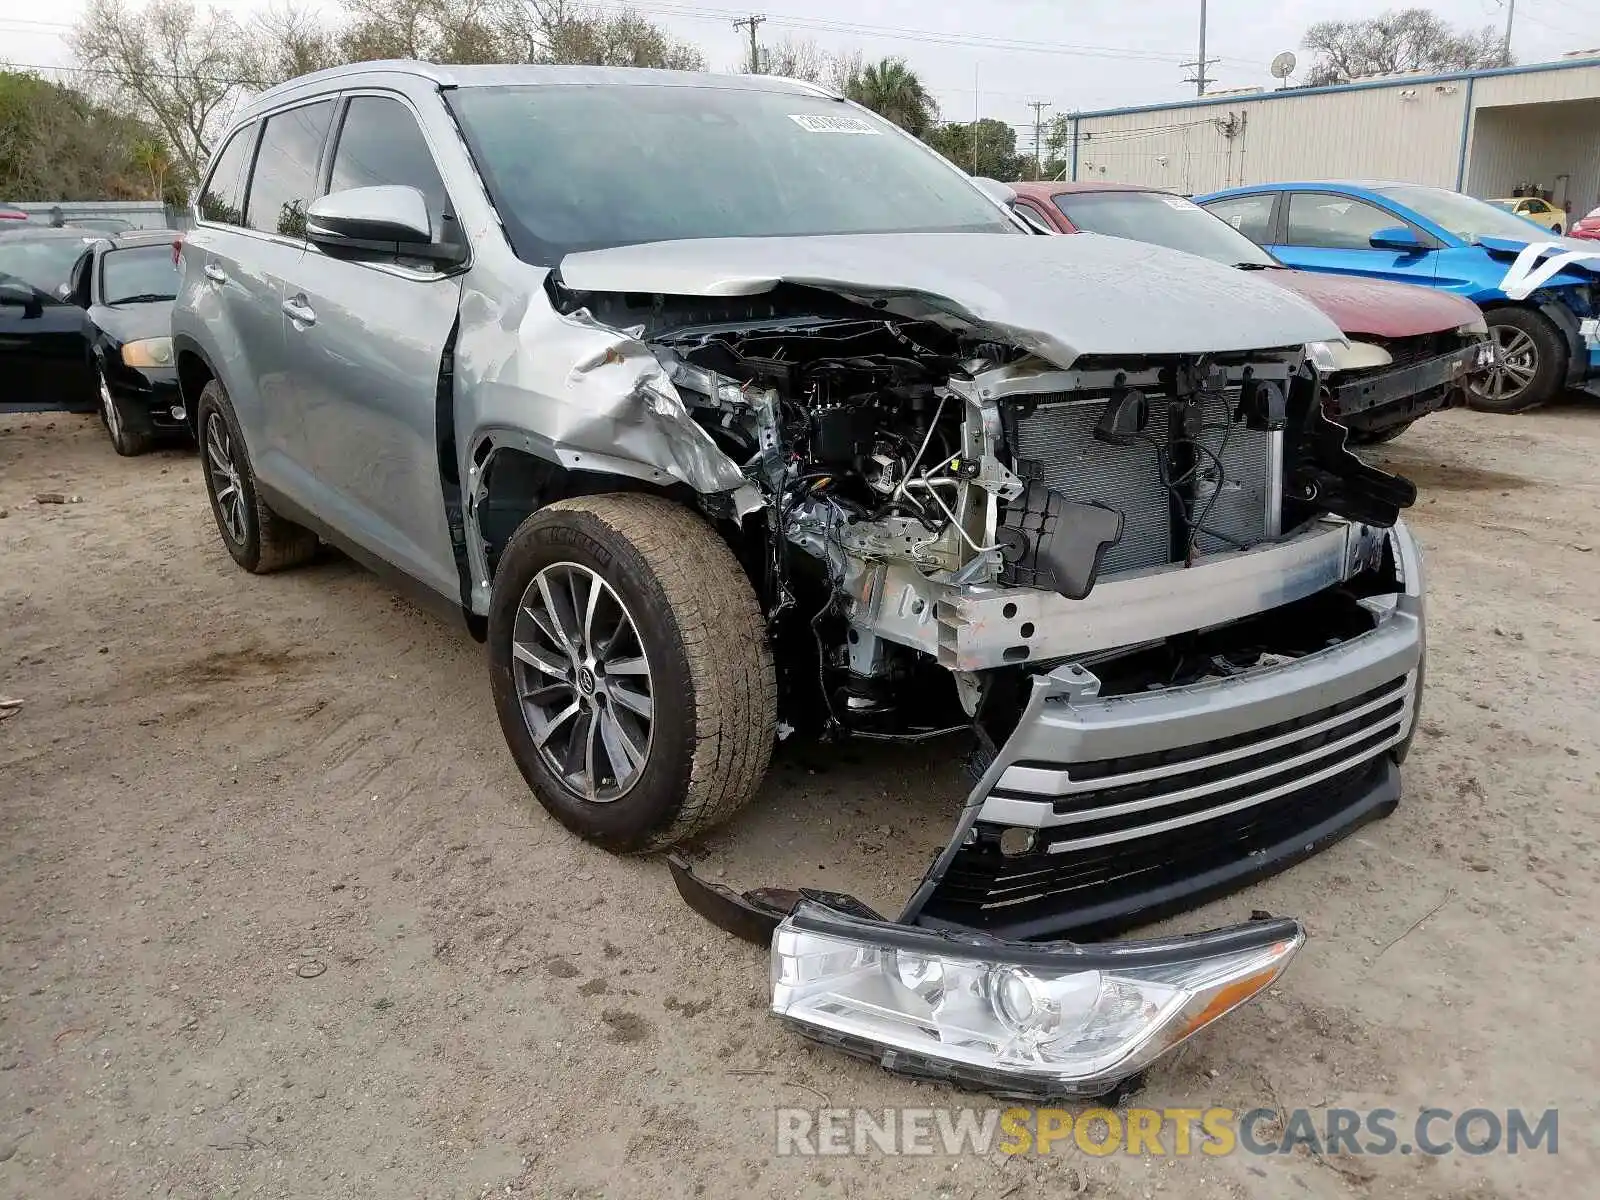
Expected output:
(1482, 132)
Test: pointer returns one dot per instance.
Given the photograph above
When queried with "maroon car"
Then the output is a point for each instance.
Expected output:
(1412, 349)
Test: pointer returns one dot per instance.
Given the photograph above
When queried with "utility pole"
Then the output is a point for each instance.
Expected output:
(975, 110)
(1199, 77)
(754, 21)
(1038, 107)
(1505, 50)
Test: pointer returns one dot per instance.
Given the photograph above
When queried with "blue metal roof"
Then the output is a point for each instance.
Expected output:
(1358, 86)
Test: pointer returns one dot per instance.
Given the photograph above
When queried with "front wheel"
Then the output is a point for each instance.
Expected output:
(631, 670)
(1531, 362)
(125, 439)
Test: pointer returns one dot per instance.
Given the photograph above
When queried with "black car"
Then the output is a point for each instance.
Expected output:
(113, 296)
(126, 283)
(46, 343)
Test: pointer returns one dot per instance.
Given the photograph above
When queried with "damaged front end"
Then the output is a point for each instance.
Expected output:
(1177, 621)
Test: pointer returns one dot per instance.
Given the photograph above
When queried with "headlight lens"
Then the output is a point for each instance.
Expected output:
(1347, 356)
(1478, 328)
(1063, 1021)
(151, 352)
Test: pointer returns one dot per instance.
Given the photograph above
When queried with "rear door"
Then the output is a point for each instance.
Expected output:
(366, 340)
(1330, 232)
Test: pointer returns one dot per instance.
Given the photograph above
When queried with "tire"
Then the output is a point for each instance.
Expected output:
(125, 440)
(1365, 438)
(259, 539)
(1540, 352)
(698, 631)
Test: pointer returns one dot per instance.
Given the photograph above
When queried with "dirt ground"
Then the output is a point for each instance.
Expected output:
(279, 917)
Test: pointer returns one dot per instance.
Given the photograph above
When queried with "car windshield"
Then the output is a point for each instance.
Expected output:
(1465, 217)
(42, 263)
(581, 168)
(1166, 221)
(138, 273)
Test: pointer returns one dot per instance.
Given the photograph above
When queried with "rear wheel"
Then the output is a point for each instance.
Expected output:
(631, 670)
(259, 539)
(1531, 362)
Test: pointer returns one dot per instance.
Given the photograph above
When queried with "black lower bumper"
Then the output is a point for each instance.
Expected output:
(1096, 893)
(1370, 403)
(148, 398)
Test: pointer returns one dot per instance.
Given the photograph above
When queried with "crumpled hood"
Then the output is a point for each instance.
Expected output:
(1541, 262)
(1059, 298)
(1377, 308)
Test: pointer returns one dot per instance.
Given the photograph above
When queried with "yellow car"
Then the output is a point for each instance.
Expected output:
(1540, 212)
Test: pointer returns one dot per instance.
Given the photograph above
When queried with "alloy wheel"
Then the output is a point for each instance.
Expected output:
(1516, 364)
(108, 406)
(583, 680)
(223, 474)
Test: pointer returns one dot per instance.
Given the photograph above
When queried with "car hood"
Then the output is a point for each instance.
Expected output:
(1059, 298)
(1542, 262)
(1376, 308)
(130, 322)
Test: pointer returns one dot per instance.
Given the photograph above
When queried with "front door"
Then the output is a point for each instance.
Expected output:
(366, 341)
(45, 363)
(1331, 233)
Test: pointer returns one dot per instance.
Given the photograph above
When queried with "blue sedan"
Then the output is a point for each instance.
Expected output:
(1540, 293)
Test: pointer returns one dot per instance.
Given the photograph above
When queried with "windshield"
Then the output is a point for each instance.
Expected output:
(43, 263)
(581, 168)
(1166, 221)
(138, 273)
(1463, 216)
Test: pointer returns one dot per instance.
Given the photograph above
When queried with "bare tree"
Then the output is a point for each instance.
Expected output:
(1411, 40)
(446, 31)
(281, 43)
(555, 31)
(796, 58)
(168, 65)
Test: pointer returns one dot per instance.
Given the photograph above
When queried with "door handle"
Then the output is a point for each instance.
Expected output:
(298, 310)
(216, 273)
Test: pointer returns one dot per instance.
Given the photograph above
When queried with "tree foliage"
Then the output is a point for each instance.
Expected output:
(57, 144)
(893, 90)
(1414, 39)
(168, 65)
(996, 146)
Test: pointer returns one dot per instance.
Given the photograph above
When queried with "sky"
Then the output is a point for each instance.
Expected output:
(992, 57)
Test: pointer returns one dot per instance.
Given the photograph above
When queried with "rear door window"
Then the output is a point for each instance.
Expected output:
(1250, 215)
(222, 198)
(380, 143)
(285, 177)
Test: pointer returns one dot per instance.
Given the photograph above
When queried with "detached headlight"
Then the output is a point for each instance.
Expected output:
(151, 352)
(1347, 356)
(1013, 1017)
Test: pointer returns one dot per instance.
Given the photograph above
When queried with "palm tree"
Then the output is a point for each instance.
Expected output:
(892, 90)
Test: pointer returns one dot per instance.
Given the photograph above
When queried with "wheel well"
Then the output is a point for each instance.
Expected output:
(516, 483)
(193, 375)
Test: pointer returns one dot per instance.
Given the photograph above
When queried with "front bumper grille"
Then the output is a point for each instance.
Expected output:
(1103, 890)
(1054, 444)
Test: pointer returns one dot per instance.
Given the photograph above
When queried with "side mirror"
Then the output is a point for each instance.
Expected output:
(1397, 238)
(24, 297)
(391, 219)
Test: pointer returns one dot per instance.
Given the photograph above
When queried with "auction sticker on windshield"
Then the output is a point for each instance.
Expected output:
(817, 123)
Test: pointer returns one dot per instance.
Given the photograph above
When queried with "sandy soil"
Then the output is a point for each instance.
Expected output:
(219, 785)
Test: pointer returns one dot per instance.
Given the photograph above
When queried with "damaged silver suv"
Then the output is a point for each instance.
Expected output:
(725, 411)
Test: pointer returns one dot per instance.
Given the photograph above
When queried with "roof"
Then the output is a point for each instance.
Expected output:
(523, 75)
(1044, 189)
(1353, 185)
(1358, 85)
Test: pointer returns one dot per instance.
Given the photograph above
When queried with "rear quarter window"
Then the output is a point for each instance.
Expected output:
(222, 197)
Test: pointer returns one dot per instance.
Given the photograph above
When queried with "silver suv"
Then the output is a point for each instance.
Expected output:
(724, 411)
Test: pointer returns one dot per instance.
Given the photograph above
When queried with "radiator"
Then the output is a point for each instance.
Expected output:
(1055, 444)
